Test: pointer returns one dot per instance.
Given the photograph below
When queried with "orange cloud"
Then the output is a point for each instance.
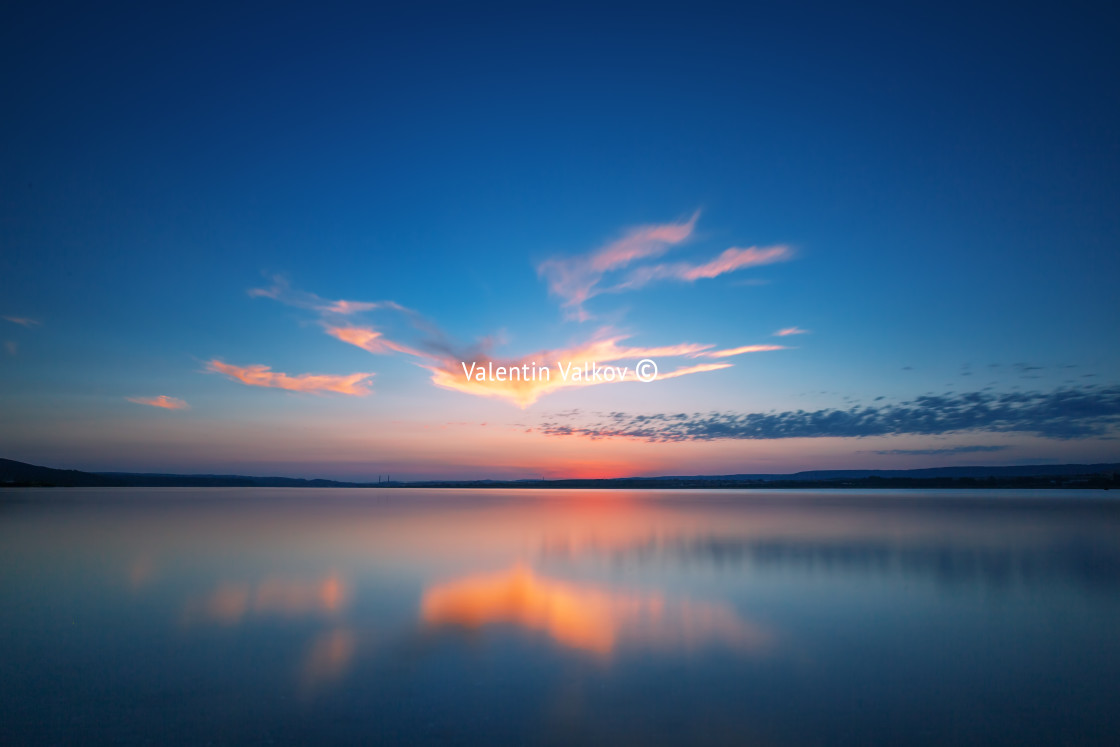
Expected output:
(448, 372)
(574, 279)
(257, 375)
(167, 403)
(370, 340)
(791, 331)
(521, 387)
(584, 617)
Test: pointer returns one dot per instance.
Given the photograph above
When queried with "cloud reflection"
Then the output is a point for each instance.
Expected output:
(231, 603)
(329, 657)
(588, 618)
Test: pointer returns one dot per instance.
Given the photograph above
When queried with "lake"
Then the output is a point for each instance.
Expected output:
(241, 615)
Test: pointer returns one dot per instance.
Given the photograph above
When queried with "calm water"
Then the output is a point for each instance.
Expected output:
(272, 616)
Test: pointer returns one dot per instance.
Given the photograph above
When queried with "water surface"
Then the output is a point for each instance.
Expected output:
(740, 617)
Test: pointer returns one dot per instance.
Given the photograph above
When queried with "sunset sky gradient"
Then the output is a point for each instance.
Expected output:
(265, 241)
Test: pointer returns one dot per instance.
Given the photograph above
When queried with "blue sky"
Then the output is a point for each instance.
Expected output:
(943, 182)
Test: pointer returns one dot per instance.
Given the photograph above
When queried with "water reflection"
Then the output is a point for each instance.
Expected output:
(1084, 561)
(328, 658)
(409, 616)
(141, 572)
(585, 617)
(230, 603)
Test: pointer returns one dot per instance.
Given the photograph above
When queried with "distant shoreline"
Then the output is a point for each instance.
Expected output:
(15, 474)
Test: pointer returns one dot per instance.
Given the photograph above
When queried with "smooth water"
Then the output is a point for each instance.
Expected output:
(616, 617)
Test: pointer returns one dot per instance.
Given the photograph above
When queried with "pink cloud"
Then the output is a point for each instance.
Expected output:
(345, 308)
(575, 279)
(257, 375)
(791, 331)
(167, 403)
(729, 261)
(22, 321)
(736, 259)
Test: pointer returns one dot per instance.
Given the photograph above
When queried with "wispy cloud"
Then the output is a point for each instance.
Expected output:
(699, 368)
(11, 347)
(741, 350)
(1069, 413)
(257, 375)
(346, 308)
(736, 259)
(729, 261)
(22, 321)
(281, 291)
(579, 278)
(576, 279)
(791, 331)
(163, 401)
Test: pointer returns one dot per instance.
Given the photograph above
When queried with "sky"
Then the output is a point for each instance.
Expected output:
(272, 240)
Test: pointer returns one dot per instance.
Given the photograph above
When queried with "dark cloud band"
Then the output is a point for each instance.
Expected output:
(1067, 413)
